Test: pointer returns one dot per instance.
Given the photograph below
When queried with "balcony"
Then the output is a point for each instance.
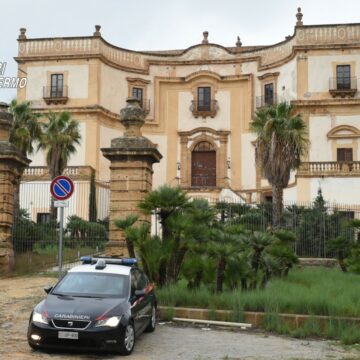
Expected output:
(55, 95)
(329, 169)
(264, 101)
(343, 87)
(204, 110)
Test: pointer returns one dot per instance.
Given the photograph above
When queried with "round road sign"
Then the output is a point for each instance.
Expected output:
(62, 187)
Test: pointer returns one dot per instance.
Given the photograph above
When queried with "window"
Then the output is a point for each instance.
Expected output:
(93, 285)
(269, 94)
(204, 99)
(43, 218)
(138, 93)
(344, 154)
(57, 85)
(343, 77)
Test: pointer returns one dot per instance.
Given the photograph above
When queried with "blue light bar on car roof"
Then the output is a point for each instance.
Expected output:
(113, 261)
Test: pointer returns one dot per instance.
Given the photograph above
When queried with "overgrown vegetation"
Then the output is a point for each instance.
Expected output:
(205, 247)
(310, 291)
(36, 244)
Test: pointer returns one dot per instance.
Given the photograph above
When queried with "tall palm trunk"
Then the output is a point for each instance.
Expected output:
(277, 205)
(220, 274)
(163, 275)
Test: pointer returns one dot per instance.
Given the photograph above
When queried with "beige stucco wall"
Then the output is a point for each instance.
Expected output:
(221, 121)
(248, 169)
(321, 148)
(77, 80)
(349, 194)
(160, 169)
(321, 68)
(106, 135)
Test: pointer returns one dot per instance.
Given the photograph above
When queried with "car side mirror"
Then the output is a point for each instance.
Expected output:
(47, 289)
(140, 293)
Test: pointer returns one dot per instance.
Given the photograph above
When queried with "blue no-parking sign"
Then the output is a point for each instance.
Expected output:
(62, 187)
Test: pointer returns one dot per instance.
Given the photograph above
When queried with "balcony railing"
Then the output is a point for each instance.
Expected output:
(55, 94)
(204, 110)
(343, 87)
(329, 169)
(40, 173)
(263, 101)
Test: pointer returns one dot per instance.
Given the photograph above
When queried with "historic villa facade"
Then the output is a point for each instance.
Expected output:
(200, 102)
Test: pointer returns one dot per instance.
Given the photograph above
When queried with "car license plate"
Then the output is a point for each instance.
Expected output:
(68, 335)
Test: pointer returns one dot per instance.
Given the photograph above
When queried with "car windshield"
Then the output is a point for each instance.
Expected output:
(83, 284)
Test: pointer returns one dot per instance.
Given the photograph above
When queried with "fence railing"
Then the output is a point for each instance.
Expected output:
(204, 110)
(41, 173)
(343, 86)
(329, 168)
(36, 230)
(314, 225)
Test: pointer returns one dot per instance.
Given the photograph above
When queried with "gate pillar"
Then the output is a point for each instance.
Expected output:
(132, 157)
(12, 164)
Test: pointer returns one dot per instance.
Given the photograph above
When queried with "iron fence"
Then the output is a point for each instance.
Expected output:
(36, 226)
(36, 231)
(314, 225)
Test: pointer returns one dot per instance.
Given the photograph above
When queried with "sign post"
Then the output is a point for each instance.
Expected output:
(61, 188)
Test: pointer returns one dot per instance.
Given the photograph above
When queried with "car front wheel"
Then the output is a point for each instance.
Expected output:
(152, 323)
(128, 340)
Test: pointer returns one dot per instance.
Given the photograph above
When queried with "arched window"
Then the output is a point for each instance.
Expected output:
(203, 165)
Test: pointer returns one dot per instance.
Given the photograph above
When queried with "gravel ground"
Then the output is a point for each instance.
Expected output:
(169, 342)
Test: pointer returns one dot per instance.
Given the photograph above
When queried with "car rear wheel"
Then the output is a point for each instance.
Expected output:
(152, 323)
(128, 341)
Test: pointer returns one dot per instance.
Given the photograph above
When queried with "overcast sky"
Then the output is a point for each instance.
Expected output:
(163, 24)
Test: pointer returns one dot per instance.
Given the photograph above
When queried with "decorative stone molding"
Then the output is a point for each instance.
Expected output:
(343, 132)
(97, 32)
(205, 39)
(22, 35)
(299, 17)
(136, 82)
(189, 139)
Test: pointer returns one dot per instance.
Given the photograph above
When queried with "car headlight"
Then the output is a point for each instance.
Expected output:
(39, 318)
(111, 322)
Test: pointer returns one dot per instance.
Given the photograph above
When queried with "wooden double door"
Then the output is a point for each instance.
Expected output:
(203, 168)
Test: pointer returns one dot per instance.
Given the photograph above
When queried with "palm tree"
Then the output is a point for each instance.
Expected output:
(59, 139)
(281, 142)
(26, 130)
(168, 202)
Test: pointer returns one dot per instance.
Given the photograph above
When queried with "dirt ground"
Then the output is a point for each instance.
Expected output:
(169, 342)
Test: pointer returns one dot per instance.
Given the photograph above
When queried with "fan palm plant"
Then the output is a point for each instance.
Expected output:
(60, 136)
(166, 202)
(281, 143)
(26, 130)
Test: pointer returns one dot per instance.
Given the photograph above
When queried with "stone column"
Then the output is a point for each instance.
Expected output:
(12, 164)
(132, 157)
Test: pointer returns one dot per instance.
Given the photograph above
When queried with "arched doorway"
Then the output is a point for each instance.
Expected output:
(203, 165)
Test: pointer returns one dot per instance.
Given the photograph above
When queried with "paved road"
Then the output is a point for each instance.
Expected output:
(169, 342)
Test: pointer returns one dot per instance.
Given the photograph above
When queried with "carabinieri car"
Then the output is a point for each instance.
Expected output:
(100, 305)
